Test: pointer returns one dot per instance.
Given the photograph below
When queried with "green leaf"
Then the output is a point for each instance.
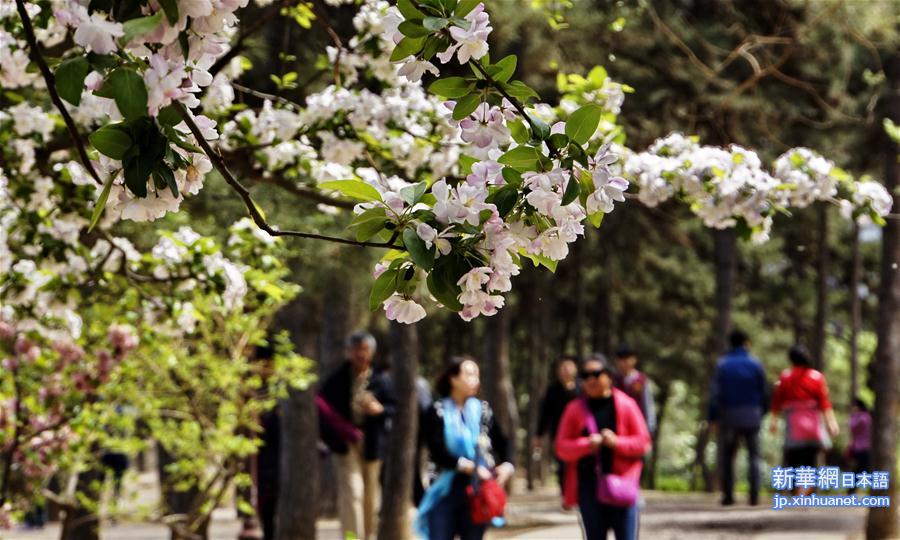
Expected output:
(111, 140)
(369, 223)
(435, 24)
(541, 128)
(466, 6)
(101, 202)
(521, 158)
(558, 141)
(69, 79)
(582, 123)
(505, 199)
(433, 44)
(141, 25)
(412, 194)
(169, 116)
(356, 189)
(441, 283)
(519, 90)
(408, 10)
(383, 288)
(512, 176)
(451, 87)
(541, 260)
(129, 92)
(407, 47)
(413, 29)
(163, 175)
(507, 67)
(519, 131)
(596, 219)
(465, 163)
(171, 9)
(449, 5)
(137, 172)
(177, 137)
(415, 246)
(572, 191)
(466, 106)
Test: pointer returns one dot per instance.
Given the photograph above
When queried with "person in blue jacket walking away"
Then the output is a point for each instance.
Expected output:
(738, 400)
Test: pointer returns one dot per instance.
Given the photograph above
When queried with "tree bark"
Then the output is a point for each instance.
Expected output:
(397, 474)
(885, 522)
(665, 391)
(176, 502)
(532, 306)
(496, 382)
(298, 496)
(725, 242)
(80, 523)
(820, 332)
(855, 313)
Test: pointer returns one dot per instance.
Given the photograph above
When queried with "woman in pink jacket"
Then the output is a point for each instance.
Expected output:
(602, 437)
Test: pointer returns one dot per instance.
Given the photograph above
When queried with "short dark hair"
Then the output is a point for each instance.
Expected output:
(799, 356)
(443, 384)
(861, 404)
(738, 338)
(624, 350)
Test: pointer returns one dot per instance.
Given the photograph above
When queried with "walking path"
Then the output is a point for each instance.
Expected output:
(537, 516)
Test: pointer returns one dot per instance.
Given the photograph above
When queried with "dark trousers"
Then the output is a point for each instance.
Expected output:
(450, 519)
(729, 438)
(597, 519)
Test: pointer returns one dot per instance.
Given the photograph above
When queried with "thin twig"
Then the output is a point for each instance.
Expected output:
(38, 58)
(244, 193)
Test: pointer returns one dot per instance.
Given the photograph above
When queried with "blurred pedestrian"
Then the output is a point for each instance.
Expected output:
(602, 438)
(468, 448)
(860, 449)
(802, 395)
(738, 400)
(635, 383)
(355, 397)
(559, 393)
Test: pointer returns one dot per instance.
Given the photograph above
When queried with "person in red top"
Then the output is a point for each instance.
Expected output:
(619, 442)
(802, 395)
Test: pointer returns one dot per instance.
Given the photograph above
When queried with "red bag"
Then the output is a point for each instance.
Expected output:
(486, 501)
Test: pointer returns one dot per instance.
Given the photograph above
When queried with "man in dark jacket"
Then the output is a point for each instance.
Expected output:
(738, 400)
(559, 393)
(367, 401)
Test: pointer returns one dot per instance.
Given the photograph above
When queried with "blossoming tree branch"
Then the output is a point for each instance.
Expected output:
(460, 182)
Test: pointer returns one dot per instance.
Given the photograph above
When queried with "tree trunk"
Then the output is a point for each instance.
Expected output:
(855, 313)
(81, 523)
(726, 266)
(820, 333)
(885, 522)
(665, 391)
(578, 285)
(496, 382)
(532, 307)
(398, 475)
(177, 502)
(298, 496)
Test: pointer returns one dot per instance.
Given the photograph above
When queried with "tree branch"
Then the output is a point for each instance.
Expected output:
(244, 193)
(38, 58)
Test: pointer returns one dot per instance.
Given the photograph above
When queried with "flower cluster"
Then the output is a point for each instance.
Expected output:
(726, 187)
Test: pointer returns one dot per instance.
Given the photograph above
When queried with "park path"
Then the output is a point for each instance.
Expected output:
(537, 516)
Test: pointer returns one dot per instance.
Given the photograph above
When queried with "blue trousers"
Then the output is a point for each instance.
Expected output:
(450, 518)
(597, 519)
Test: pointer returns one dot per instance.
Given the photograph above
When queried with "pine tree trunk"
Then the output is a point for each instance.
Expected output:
(397, 474)
(820, 332)
(855, 313)
(496, 382)
(885, 522)
(298, 497)
(726, 267)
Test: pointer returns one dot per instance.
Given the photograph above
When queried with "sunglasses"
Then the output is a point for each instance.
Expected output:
(591, 374)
